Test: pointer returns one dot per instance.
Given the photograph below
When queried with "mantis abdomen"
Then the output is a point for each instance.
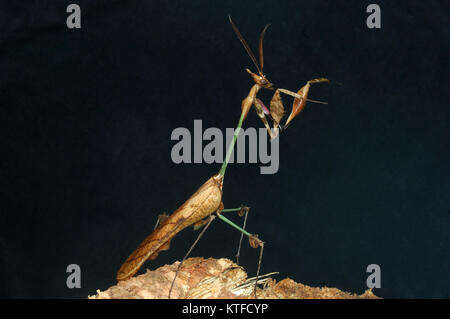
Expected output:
(206, 200)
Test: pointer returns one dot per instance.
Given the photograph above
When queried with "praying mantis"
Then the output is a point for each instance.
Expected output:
(276, 111)
(206, 203)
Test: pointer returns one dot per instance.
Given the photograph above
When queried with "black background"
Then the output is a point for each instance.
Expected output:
(87, 114)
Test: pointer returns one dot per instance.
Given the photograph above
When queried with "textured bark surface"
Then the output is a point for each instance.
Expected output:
(215, 278)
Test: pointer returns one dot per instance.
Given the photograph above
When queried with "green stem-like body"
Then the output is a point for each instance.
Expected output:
(222, 173)
(231, 147)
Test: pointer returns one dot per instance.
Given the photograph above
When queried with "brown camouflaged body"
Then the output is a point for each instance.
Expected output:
(201, 204)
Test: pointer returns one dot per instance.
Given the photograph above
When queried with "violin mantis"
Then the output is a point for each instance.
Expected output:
(276, 111)
(206, 203)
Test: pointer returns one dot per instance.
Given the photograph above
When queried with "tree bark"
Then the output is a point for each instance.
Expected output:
(211, 278)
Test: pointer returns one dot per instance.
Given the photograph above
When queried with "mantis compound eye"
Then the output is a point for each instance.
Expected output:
(265, 83)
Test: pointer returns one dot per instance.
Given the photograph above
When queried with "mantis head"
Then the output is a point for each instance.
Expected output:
(260, 79)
